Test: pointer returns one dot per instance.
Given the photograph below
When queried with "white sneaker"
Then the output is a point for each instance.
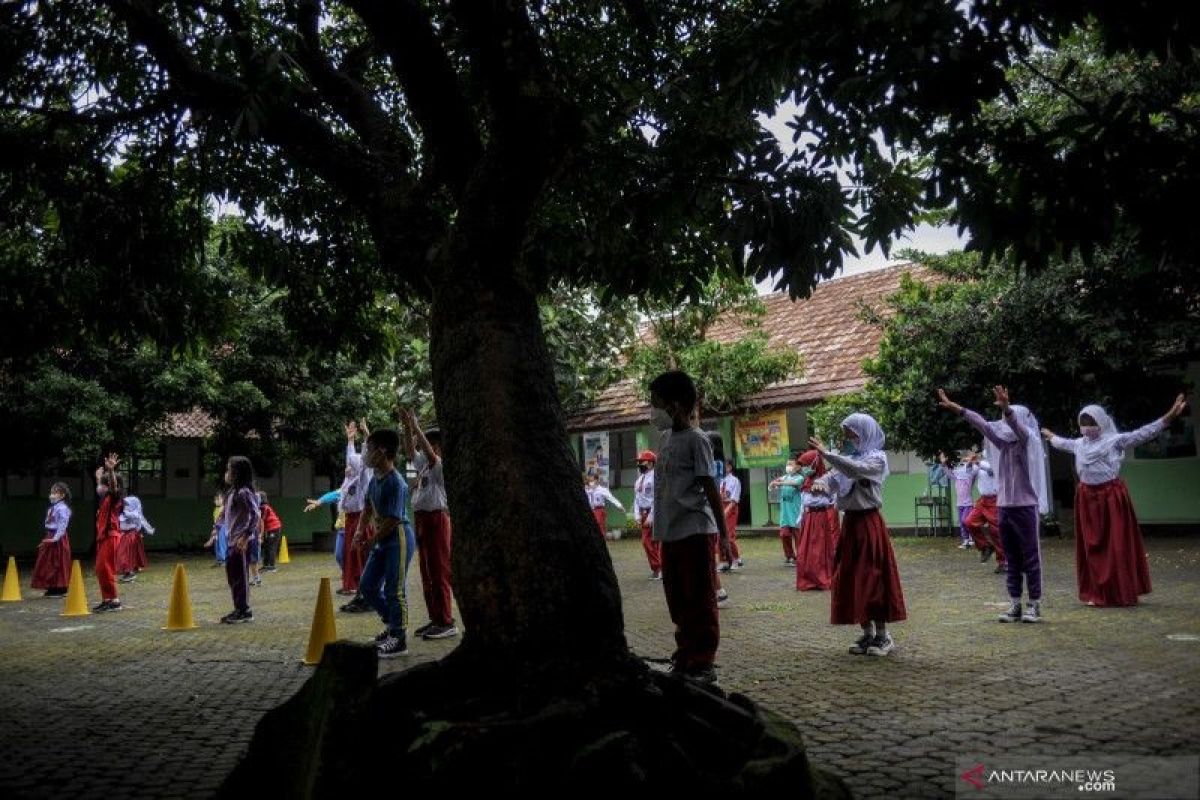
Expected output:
(656, 576)
(1033, 612)
(722, 599)
(881, 645)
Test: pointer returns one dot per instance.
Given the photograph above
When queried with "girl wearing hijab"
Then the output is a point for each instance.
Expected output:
(865, 586)
(131, 553)
(818, 530)
(1110, 560)
(1015, 452)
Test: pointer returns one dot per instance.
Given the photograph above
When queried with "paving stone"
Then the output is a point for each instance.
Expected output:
(180, 707)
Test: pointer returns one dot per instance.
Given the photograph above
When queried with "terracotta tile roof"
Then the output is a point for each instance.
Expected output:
(826, 329)
(194, 424)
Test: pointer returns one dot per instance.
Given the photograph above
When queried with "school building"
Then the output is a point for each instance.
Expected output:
(175, 489)
(825, 329)
(1163, 477)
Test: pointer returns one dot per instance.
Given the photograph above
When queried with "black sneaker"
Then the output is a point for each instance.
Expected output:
(238, 617)
(380, 638)
(356, 606)
(55, 593)
(424, 629)
(100, 609)
(115, 605)
(1033, 612)
(393, 646)
(440, 632)
(1013, 614)
(228, 618)
(862, 644)
(127, 577)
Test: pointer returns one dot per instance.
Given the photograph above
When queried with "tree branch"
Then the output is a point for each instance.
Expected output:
(157, 105)
(405, 32)
(309, 140)
(347, 96)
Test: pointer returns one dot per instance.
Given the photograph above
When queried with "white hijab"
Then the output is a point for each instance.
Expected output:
(1035, 451)
(1097, 451)
(870, 443)
(132, 518)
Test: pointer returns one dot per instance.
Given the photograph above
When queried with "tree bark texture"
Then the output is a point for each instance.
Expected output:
(533, 580)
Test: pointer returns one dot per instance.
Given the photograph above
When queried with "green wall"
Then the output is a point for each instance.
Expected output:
(1166, 491)
(178, 523)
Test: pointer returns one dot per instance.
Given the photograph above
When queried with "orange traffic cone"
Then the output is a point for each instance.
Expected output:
(179, 613)
(324, 630)
(284, 558)
(12, 583)
(77, 604)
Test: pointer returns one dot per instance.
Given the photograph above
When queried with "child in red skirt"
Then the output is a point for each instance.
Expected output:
(52, 571)
(1110, 559)
(818, 528)
(865, 586)
(131, 552)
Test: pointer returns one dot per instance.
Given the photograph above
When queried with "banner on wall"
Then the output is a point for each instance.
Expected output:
(595, 455)
(762, 439)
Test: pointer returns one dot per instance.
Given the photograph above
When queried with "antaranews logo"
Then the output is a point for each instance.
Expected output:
(974, 776)
(1084, 780)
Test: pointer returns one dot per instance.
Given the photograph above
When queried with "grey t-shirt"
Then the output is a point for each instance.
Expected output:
(859, 481)
(430, 494)
(681, 508)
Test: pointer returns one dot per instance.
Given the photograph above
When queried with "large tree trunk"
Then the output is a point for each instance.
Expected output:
(542, 694)
(533, 578)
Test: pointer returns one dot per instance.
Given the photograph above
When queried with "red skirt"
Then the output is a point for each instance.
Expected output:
(1110, 559)
(53, 567)
(866, 584)
(814, 555)
(601, 520)
(131, 552)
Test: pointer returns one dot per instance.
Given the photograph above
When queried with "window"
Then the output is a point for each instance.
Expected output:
(148, 466)
(146, 472)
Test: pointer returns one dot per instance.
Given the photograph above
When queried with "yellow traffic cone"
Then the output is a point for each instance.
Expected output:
(12, 583)
(77, 604)
(284, 558)
(324, 630)
(179, 614)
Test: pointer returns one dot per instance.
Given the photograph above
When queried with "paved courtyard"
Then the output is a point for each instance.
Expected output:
(111, 706)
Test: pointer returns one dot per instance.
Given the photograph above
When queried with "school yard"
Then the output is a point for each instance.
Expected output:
(111, 706)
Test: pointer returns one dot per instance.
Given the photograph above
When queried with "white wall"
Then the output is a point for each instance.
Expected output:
(182, 466)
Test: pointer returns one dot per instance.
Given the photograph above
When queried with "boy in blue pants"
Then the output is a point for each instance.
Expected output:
(384, 576)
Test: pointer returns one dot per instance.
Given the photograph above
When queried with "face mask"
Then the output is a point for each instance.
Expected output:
(849, 448)
(806, 471)
(789, 469)
(660, 419)
(1090, 431)
(643, 468)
